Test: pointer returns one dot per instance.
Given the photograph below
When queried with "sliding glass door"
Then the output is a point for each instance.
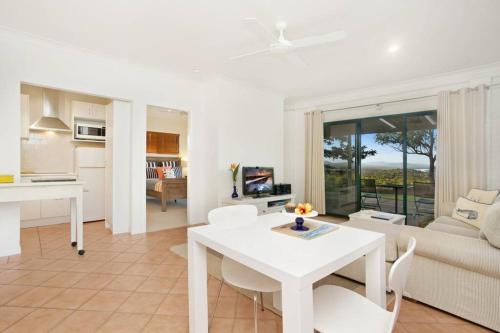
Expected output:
(340, 144)
(421, 145)
(384, 163)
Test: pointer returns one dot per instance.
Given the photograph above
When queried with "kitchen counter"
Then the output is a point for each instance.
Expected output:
(59, 174)
(41, 184)
(26, 191)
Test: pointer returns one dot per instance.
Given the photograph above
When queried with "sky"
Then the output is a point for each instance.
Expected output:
(386, 154)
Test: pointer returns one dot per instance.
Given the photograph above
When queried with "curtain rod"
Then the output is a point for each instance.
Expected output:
(382, 103)
(396, 101)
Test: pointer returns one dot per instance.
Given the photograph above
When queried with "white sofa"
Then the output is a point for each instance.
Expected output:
(454, 269)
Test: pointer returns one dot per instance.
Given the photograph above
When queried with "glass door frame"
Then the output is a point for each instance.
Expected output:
(358, 152)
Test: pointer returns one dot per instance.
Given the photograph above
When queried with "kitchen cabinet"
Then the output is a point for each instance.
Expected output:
(54, 208)
(90, 111)
(30, 210)
(162, 143)
(44, 212)
(25, 116)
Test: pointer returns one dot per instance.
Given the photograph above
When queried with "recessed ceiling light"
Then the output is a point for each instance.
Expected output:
(393, 48)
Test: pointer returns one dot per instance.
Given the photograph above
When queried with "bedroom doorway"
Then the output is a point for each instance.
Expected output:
(166, 168)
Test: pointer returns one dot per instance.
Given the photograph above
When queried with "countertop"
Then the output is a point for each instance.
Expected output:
(18, 184)
(62, 174)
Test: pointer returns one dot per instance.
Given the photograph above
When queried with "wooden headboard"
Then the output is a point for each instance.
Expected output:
(163, 158)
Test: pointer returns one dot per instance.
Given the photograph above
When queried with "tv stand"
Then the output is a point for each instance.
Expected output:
(265, 204)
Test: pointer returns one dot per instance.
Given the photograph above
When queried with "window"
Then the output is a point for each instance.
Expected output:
(385, 163)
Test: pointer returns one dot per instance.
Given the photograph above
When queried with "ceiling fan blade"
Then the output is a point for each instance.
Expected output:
(318, 40)
(249, 54)
(296, 60)
(260, 29)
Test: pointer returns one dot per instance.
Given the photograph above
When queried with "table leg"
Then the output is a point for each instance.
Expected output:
(197, 276)
(297, 309)
(73, 221)
(79, 224)
(375, 275)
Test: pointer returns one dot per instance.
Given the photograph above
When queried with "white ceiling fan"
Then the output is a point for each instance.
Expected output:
(280, 44)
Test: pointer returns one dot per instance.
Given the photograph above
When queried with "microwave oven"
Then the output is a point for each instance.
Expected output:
(90, 131)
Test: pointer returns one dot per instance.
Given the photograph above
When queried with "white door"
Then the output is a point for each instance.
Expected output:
(93, 193)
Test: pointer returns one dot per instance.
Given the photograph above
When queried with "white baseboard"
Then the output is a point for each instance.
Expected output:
(45, 221)
(10, 252)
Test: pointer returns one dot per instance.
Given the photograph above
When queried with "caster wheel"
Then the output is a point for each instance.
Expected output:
(73, 244)
(81, 252)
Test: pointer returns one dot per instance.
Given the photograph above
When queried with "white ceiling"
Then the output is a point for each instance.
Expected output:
(434, 36)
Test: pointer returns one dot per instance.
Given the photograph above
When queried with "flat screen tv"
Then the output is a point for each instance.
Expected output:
(257, 180)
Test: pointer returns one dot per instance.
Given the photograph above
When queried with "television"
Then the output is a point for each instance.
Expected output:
(257, 180)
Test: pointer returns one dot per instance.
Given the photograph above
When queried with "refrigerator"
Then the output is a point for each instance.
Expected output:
(90, 168)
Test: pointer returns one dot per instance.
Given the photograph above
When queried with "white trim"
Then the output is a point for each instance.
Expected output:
(45, 221)
(425, 86)
(11, 252)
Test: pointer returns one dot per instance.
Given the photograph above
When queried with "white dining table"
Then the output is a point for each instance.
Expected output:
(297, 263)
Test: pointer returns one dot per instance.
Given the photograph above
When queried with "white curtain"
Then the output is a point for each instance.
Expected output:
(461, 146)
(315, 173)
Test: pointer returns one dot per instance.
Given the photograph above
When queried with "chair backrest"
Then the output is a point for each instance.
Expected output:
(399, 275)
(368, 185)
(232, 215)
(423, 190)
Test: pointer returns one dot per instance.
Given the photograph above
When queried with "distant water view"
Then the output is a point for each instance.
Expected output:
(364, 165)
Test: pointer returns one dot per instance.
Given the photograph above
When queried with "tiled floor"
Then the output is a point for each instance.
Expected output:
(134, 284)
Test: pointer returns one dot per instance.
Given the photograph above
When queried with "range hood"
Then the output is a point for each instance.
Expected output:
(50, 119)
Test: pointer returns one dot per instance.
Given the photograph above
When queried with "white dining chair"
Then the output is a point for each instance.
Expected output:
(233, 272)
(341, 310)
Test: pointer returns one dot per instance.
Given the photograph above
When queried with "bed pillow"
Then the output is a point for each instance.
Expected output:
(169, 172)
(485, 197)
(178, 172)
(161, 173)
(470, 212)
(151, 173)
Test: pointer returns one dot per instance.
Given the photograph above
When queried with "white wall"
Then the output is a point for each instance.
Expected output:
(418, 95)
(118, 180)
(247, 129)
(38, 62)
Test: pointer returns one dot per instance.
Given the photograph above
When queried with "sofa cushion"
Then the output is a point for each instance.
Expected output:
(472, 254)
(470, 212)
(482, 196)
(391, 232)
(452, 226)
(490, 228)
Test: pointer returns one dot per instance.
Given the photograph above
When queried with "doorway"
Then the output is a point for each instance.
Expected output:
(166, 168)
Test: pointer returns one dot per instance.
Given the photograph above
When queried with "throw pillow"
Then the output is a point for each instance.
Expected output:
(178, 172)
(151, 173)
(469, 211)
(490, 228)
(169, 172)
(160, 171)
(485, 197)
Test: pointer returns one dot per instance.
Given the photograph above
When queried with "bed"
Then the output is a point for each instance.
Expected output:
(166, 189)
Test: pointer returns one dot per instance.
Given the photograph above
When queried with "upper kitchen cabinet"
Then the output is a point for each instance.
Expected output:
(25, 116)
(162, 143)
(89, 111)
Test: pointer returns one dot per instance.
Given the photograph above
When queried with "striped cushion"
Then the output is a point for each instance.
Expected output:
(178, 172)
(151, 173)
